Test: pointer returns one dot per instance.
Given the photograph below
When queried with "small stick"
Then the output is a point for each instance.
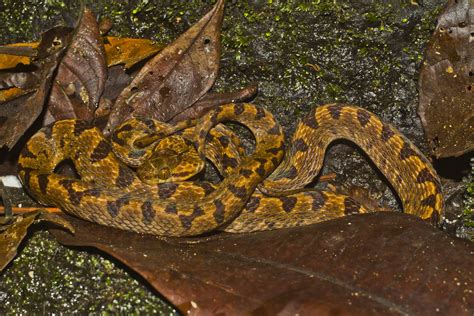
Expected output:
(21, 210)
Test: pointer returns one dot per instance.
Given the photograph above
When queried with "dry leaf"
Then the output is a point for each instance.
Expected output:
(379, 263)
(83, 71)
(447, 82)
(175, 78)
(17, 115)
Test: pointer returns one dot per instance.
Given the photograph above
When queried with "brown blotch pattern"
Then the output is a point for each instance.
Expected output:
(238, 108)
(429, 201)
(425, 175)
(166, 190)
(187, 220)
(171, 209)
(288, 203)
(229, 161)
(363, 117)
(125, 177)
(240, 192)
(291, 173)
(43, 182)
(260, 113)
(311, 120)
(406, 151)
(245, 172)
(79, 127)
(101, 151)
(261, 171)
(387, 132)
(208, 189)
(252, 204)
(318, 201)
(335, 111)
(148, 212)
(224, 140)
(25, 152)
(219, 212)
(113, 207)
(300, 145)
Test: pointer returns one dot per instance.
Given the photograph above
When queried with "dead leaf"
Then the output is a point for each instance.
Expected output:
(129, 51)
(379, 263)
(446, 82)
(83, 71)
(17, 115)
(212, 100)
(13, 231)
(175, 78)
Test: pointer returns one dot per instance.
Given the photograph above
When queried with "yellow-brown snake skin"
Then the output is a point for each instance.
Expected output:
(110, 193)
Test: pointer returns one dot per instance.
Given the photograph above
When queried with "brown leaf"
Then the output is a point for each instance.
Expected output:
(447, 83)
(175, 78)
(212, 100)
(83, 70)
(379, 263)
(14, 231)
(129, 51)
(17, 115)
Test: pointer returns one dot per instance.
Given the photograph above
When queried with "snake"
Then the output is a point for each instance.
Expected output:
(261, 191)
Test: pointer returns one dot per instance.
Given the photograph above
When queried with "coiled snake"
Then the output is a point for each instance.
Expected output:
(110, 193)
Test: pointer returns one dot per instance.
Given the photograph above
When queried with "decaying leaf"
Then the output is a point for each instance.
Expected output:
(82, 70)
(175, 78)
(447, 82)
(17, 115)
(13, 231)
(380, 263)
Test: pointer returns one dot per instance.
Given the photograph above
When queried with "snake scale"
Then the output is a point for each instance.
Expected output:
(260, 191)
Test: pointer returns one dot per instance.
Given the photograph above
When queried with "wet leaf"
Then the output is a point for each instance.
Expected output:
(447, 82)
(13, 231)
(212, 100)
(82, 71)
(129, 51)
(17, 115)
(177, 77)
(379, 263)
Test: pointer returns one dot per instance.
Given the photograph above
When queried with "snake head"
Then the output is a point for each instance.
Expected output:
(170, 165)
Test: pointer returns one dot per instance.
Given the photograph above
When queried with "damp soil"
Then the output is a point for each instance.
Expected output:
(301, 53)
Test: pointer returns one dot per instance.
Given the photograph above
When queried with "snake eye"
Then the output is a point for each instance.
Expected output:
(164, 173)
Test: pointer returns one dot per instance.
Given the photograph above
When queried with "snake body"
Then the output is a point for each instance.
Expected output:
(110, 193)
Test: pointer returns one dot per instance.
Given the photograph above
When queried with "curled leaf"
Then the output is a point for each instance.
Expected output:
(17, 115)
(175, 78)
(83, 71)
